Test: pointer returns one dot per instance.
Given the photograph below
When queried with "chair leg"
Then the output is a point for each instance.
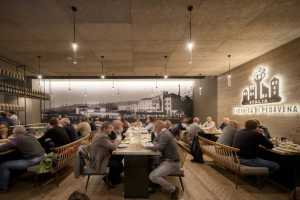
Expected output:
(236, 181)
(87, 182)
(181, 183)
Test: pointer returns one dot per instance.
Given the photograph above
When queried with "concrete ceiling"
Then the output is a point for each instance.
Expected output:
(135, 35)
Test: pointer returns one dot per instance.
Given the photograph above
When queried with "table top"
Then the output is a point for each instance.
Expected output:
(134, 144)
(282, 152)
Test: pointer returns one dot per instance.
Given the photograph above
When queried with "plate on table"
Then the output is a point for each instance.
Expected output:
(147, 145)
(122, 146)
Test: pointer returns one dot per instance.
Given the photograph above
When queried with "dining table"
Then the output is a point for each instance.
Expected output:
(287, 155)
(137, 162)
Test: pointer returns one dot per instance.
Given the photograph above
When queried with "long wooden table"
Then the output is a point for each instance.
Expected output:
(137, 163)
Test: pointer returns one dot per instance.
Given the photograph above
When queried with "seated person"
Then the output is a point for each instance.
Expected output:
(137, 123)
(55, 136)
(193, 130)
(101, 150)
(248, 141)
(209, 125)
(263, 130)
(4, 119)
(126, 124)
(169, 125)
(69, 128)
(84, 127)
(30, 150)
(228, 133)
(3, 131)
(182, 125)
(115, 162)
(118, 131)
(14, 118)
(170, 161)
(224, 123)
(78, 196)
(150, 124)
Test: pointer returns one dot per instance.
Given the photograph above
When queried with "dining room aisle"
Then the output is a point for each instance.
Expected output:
(202, 182)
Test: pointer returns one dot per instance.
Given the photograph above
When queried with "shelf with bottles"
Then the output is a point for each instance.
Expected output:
(8, 107)
(21, 91)
(10, 75)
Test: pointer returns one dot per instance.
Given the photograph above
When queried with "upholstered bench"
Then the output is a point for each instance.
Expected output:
(226, 157)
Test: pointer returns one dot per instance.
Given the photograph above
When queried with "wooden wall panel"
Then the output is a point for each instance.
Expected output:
(283, 61)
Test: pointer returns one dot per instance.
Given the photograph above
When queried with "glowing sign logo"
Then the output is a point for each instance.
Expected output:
(258, 92)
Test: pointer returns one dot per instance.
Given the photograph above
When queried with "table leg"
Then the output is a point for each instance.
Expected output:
(136, 180)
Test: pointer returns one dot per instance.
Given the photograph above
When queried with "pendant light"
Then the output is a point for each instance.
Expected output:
(229, 71)
(69, 84)
(39, 76)
(102, 76)
(74, 44)
(190, 43)
(166, 61)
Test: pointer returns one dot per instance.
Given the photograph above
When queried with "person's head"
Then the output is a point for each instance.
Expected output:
(234, 124)
(226, 120)
(196, 120)
(209, 118)
(117, 124)
(84, 119)
(65, 121)
(10, 113)
(3, 114)
(251, 124)
(106, 128)
(168, 124)
(78, 196)
(18, 130)
(159, 125)
(150, 119)
(258, 122)
(53, 122)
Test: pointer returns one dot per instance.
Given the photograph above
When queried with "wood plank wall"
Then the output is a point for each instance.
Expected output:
(283, 61)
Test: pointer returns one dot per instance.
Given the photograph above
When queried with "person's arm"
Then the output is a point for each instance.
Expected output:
(10, 144)
(161, 144)
(264, 141)
(111, 145)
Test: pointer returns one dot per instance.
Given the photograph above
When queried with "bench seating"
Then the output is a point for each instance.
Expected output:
(63, 155)
(226, 157)
(66, 153)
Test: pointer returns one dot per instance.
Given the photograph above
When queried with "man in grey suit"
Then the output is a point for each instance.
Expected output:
(170, 161)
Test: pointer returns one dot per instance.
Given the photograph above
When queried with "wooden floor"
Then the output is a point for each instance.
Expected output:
(202, 182)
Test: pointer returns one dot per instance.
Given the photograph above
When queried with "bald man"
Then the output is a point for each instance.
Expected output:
(170, 161)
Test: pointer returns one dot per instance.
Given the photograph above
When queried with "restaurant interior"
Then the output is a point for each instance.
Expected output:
(153, 99)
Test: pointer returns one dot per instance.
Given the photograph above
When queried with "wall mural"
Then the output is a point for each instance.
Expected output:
(264, 97)
(130, 98)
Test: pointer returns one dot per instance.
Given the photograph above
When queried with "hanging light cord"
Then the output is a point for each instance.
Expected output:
(102, 66)
(166, 59)
(39, 63)
(229, 63)
(190, 8)
(74, 9)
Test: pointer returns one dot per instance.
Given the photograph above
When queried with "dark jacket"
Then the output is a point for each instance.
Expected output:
(248, 141)
(26, 144)
(73, 135)
(58, 136)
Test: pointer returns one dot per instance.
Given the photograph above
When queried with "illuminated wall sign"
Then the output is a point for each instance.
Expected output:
(262, 97)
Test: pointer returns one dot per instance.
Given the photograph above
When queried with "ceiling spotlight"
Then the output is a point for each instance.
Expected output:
(102, 76)
(165, 76)
(39, 76)
(74, 62)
